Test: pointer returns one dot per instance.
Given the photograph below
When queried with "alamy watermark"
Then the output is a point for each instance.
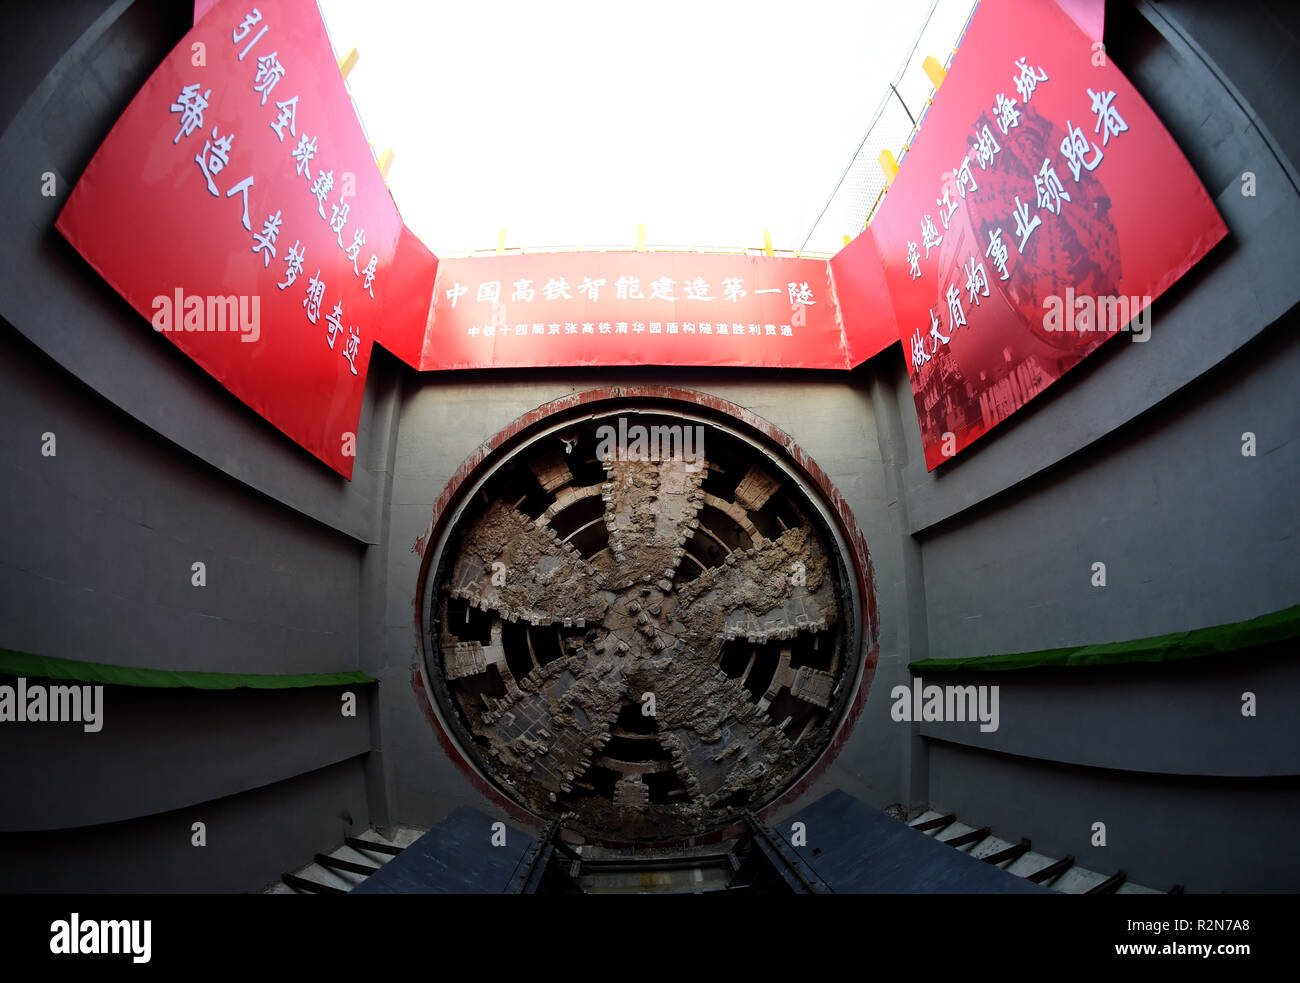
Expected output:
(945, 704)
(1085, 313)
(75, 936)
(235, 312)
(38, 703)
(654, 443)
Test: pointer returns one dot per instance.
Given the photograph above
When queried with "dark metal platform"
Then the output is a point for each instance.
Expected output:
(455, 857)
(857, 849)
(852, 849)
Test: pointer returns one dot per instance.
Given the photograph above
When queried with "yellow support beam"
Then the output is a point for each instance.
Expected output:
(847, 240)
(640, 238)
(767, 243)
(349, 61)
(889, 166)
(934, 70)
(385, 162)
(501, 242)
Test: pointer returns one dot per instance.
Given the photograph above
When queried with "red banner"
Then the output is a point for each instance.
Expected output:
(404, 330)
(863, 300)
(633, 308)
(1040, 210)
(237, 205)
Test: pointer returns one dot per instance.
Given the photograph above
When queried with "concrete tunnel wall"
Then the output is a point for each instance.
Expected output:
(1134, 459)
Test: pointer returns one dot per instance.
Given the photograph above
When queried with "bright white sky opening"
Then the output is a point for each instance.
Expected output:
(568, 123)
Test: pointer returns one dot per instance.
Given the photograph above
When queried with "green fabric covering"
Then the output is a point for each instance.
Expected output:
(24, 664)
(1280, 626)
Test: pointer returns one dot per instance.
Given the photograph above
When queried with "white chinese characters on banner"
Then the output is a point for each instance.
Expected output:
(193, 102)
(627, 289)
(1079, 152)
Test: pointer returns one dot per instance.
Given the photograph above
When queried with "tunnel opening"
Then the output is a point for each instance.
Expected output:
(643, 609)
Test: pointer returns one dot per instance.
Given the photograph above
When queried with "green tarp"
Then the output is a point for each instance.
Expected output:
(1280, 626)
(23, 664)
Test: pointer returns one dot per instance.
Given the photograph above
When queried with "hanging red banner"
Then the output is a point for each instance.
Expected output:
(633, 308)
(1040, 210)
(862, 300)
(237, 206)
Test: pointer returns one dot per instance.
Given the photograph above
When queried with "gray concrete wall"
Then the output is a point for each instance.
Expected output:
(253, 837)
(158, 467)
(1135, 460)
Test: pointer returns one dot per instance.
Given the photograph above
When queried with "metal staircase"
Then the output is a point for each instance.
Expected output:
(1063, 875)
(845, 846)
(347, 865)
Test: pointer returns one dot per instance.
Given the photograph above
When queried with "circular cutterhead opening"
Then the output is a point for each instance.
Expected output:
(642, 620)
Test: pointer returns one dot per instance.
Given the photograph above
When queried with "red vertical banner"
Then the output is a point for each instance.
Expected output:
(1038, 213)
(237, 206)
